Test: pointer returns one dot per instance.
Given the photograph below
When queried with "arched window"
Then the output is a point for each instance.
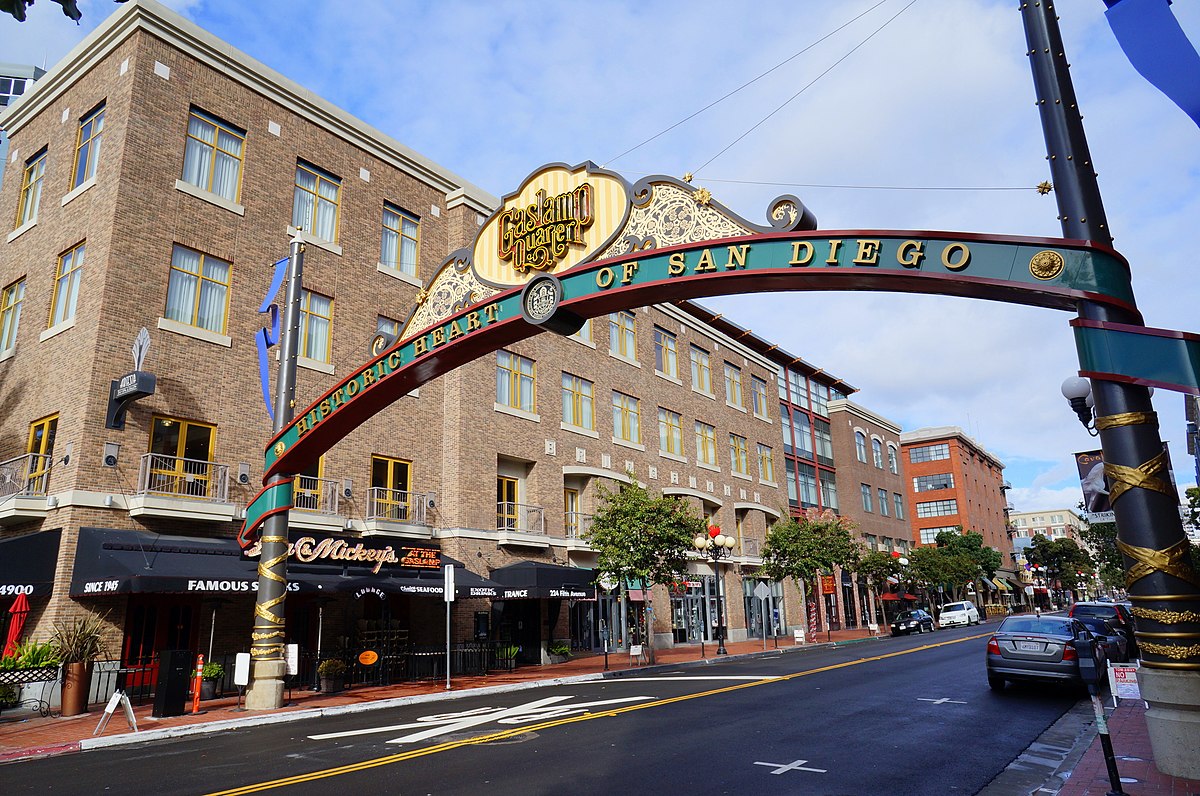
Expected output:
(893, 466)
(860, 445)
(877, 453)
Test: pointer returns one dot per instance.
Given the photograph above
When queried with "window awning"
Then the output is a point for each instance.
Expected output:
(536, 580)
(892, 596)
(29, 562)
(1001, 585)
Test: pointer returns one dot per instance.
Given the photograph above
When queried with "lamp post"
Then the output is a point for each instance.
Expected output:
(715, 546)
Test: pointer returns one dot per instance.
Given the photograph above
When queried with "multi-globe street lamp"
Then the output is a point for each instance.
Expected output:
(715, 546)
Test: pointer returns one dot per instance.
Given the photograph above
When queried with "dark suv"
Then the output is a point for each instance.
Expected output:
(1116, 613)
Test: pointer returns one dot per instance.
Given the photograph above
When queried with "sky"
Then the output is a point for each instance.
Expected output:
(859, 120)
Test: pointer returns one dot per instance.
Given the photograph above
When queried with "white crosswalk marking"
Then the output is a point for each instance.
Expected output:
(795, 765)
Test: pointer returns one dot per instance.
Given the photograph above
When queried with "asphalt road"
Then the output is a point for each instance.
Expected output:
(905, 716)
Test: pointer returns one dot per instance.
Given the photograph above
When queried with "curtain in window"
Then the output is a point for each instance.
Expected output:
(325, 226)
(389, 253)
(197, 157)
(317, 341)
(181, 287)
(211, 313)
(408, 246)
(225, 175)
(302, 199)
(503, 380)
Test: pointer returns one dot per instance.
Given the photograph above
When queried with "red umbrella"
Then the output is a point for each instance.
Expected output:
(19, 611)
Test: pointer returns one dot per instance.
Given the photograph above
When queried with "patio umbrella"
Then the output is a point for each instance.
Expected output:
(19, 611)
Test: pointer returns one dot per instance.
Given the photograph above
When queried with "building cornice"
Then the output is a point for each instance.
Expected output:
(861, 412)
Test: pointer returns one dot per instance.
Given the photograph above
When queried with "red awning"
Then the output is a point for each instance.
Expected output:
(891, 596)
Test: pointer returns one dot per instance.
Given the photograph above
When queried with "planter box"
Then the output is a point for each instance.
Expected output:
(22, 676)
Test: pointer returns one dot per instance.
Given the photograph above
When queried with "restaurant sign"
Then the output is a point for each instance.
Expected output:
(333, 549)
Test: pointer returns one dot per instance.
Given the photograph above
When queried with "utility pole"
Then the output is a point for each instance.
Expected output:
(267, 638)
(1158, 574)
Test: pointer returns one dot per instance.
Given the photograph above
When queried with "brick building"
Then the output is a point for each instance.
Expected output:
(154, 176)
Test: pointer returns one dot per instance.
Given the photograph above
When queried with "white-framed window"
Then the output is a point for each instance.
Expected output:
(399, 241)
(87, 146)
(212, 155)
(929, 535)
(706, 444)
(929, 483)
(198, 290)
(316, 322)
(893, 461)
(937, 508)
(877, 453)
(860, 446)
(516, 379)
(670, 432)
(739, 454)
(733, 385)
(929, 453)
(316, 201)
(66, 285)
(701, 370)
(622, 335)
(627, 417)
(577, 402)
(31, 188)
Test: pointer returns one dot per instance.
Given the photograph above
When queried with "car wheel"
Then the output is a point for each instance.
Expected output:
(995, 683)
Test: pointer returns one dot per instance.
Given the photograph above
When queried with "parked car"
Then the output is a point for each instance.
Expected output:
(914, 621)
(1038, 648)
(1115, 641)
(1117, 613)
(963, 613)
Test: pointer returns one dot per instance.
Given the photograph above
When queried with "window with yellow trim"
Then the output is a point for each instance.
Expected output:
(701, 370)
(665, 360)
(758, 396)
(198, 290)
(316, 320)
(10, 313)
(507, 498)
(738, 454)
(31, 189)
(399, 242)
(181, 460)
(316, 202)
(67, 278)
(622, 334)
(391, 483)
(627, 417)
(577, 402)
(670, 432)
(516, 379)
(212, 155)
(571, 519)
(706, 444)
(87, 146)
(766, 465)
(308, 491)
(733, 385)
(41, 449)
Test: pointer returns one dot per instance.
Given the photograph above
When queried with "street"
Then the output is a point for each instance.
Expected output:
(910, 716)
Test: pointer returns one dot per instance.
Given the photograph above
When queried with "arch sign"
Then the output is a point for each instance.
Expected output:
(578, 242)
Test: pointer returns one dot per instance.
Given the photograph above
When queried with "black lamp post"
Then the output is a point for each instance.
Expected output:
(715, 546)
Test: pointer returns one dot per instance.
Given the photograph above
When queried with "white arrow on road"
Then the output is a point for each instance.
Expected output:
(795, 765)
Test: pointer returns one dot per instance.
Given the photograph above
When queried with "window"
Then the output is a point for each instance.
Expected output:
(31, 189)
(808, 484)
(893, 463)
(738, 454)
(622, 337)
(664, 353)
(766, 466)
(577, 402)
(10, 88)
(781, 383)
(181, 463)
(212, 156)
(701, 371)
(66, 285)
(706, 444)
(937, 508)
(733, 385)
(798, 383)
(929, 535)
(670, 432)
(507, 499)
(584, 335)
(391, 485)
(928, 483)
(866, 497)
(824, 441)
(929, 453)
(515, 381)
(877, 453)
(789, 467)
(758, 396)
(87, 148)
(41, 445)
(386, 325)
(198, 290)
(860, 446)
(829, 498)
(802, 431)
(883, 502)
(10, 313)
(316, 201)
(571, 515)
(627, 418)
(398, 243)
(820, 398)
(316, 316)
(898, 505)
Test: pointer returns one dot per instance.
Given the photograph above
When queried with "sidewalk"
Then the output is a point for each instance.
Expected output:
(24, 734)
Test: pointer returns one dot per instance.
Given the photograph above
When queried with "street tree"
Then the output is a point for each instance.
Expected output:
(970, 544)
(640, 537)
(806, 546)
(876, 567)
(1063, 559)
(1101, 537)
(931, 567)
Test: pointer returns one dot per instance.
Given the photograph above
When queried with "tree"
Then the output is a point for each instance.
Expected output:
(637, 536)
(877, 566)
(804, 546)
(1101, 537)
(971, 545)
(17, 8)
(1062, 558)
(931, 567)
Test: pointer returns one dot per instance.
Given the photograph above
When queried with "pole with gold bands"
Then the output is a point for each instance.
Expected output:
(1160, 581)
(267, 638)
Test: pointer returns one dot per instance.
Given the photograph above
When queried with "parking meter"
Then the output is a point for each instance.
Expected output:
(1089, 672)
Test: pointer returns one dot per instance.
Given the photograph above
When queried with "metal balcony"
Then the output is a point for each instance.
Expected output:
(179, 488)
(576, 524)
(395, 512)
(317, 495)
(25, 475)
(521, 524)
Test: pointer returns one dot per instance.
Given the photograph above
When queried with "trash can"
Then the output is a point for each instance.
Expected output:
(171, 690)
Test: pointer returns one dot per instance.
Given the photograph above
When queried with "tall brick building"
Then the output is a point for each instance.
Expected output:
(154, 177)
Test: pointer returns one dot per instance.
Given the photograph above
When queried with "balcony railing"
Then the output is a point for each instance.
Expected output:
(24, 475)
(318, 495)
(174, 476)
(395, 505)
(576, 524)
(520, 517)
(752, 548)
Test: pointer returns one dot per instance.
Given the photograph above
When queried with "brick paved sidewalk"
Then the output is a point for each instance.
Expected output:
(25, 734)
(1135, 761)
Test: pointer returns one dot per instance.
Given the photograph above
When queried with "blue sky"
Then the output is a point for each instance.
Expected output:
(939, 96)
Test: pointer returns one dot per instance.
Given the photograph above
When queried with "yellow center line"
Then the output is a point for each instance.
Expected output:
(529, 728)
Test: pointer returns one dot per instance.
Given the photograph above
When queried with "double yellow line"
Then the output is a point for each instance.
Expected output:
(498, 736)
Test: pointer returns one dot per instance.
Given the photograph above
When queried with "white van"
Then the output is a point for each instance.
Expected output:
(964, 613)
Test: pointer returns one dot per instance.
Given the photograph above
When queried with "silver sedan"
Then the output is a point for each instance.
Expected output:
(1040, 648)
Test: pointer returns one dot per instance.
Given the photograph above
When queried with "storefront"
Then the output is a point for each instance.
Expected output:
(766, 613)
(528, 610)
(26, 574)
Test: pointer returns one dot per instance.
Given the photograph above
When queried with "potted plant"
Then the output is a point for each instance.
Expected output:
(559, 651)
(210, 676)
(78, 643)
(332, 672)
(506, 656)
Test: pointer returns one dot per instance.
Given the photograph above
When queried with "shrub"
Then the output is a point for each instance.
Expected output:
(331, 667)
(212, 671)
(507, 651)
(560, 648)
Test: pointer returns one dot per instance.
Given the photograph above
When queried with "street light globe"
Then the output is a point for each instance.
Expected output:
(730, 542)
(902, 561)
(719, 540)
(700, 542)
(1075, 387)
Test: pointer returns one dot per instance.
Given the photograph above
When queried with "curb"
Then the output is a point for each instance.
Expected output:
(143, 736)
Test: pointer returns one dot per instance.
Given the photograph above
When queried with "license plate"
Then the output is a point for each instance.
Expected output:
(1029, 646)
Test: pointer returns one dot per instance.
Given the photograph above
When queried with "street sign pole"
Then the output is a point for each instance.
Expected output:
(448, 596)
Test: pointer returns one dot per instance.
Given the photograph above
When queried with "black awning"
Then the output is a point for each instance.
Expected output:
(27, 563)
(537, 580)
